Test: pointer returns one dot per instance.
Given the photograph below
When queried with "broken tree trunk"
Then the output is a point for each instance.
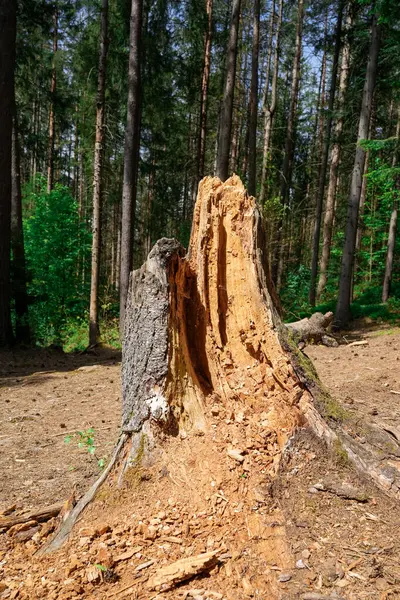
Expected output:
(312, 330)
(203, 337)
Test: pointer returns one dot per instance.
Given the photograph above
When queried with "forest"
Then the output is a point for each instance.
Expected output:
(113, 111)
(199, 299)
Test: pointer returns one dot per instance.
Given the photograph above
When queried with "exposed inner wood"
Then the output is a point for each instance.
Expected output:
(210, 374)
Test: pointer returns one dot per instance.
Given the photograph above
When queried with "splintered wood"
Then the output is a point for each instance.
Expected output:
(183, 569)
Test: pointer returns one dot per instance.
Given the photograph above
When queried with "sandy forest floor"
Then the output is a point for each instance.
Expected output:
(288, 540)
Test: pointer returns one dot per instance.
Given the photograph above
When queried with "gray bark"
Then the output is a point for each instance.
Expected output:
(204, 92)
(97, 178)
(270, 108)
(343, 314)
(7, 54)
(312, 330)
(225, 126)
(390, 255)
(52, 121)
(145, 345)
(289, 144)
(131, 156)
(324, 158)
(22, 330)
(251, 186)
(392, 229)
(334, 166)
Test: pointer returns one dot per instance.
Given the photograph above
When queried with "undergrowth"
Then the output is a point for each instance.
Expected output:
(367, 301)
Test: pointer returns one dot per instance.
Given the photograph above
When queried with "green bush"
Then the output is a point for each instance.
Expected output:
(57, 250)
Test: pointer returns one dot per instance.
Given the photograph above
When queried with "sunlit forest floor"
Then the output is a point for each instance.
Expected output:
(45, 397)
(308, 543)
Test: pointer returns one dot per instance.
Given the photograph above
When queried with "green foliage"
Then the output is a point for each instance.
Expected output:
(57, 247)
(86, 439)
(294, 295)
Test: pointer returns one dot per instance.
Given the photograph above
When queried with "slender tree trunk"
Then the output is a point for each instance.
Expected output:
(235, 142)
(390, 254)
(118, 254)
(131, 155)
(224, 134)
(204, 92)
(334, 166)
(75, 175)
(52, 124)
(324, 158)
(360, 223)
(343, 314)
(97, 178)
(289, 142)
(392, 231)
(269, 109)
(253, 105)
(8, 9)
(22, 331)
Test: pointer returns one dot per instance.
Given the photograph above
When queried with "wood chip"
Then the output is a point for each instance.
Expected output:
(236, 455)
(172, 539)
(355, 563)
(359, 343)
(183, 569)
(128, 554)
(144, 565)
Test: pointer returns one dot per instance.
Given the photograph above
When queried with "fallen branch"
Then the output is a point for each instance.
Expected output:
(70, 520)
(312, 330)
(38, 514)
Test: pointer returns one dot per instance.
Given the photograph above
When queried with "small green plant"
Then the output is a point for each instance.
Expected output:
(86, 439)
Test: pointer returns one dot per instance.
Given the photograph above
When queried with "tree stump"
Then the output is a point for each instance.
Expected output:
(203, 337)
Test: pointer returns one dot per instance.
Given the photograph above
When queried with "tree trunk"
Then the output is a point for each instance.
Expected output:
(204, 347)
(204, 91)
(270, 108)
(97, 178)
(22, 331)
(225, 127)
(324, 157)
(253, 105)
(8, 10)
(131, 155)
(343, 314)
(363, 197)
(289, 144)
(334, 166)
(52, 124)
(392, 229)
(390, 255)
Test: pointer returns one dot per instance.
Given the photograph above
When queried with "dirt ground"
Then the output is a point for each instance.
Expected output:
(294, 538)
(44, 396)
(364, 378)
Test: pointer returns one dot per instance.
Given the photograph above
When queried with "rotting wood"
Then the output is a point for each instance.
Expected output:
(182, 570)
(38, 515)
(206, 325)
(313, 330)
